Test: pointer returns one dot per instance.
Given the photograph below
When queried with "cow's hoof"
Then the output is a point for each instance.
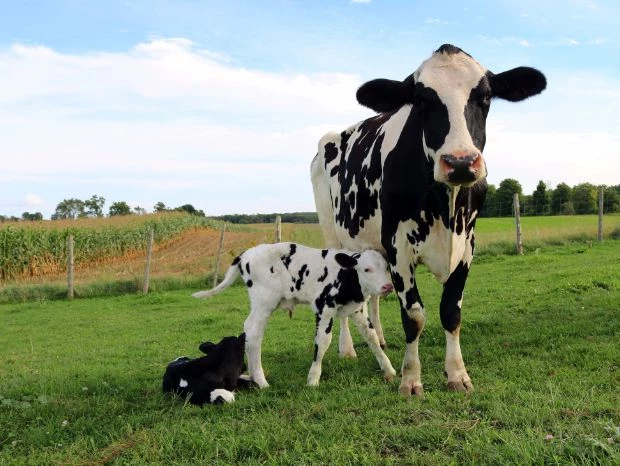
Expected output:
(408, 390)
(389, 376)
(348, 354)
(464, 386)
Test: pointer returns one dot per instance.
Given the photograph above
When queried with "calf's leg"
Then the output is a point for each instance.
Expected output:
(345, 342)
(254, 328)
(360, 317)
(322, 340)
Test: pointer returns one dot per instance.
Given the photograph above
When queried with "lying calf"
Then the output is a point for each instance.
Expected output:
(335, 283)
(211, 378)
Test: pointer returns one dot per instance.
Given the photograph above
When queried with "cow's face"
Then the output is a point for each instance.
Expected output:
(372, 270)
(450, 94)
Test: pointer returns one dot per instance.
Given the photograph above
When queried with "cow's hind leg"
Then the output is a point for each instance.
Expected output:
(450, 312)
(322, 340)
(360, 317)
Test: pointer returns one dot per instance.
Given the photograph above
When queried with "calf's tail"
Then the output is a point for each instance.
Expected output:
(229, 279)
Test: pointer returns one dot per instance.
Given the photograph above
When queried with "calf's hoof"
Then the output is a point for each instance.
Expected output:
(348, 354)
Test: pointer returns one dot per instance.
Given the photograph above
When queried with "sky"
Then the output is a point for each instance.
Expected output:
(220, 104)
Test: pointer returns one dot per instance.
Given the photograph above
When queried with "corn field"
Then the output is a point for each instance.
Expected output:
(33, 249)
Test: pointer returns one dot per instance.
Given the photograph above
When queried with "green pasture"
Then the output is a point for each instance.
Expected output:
(80, 381)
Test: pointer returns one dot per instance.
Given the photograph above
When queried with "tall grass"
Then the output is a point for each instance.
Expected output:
(40, 248)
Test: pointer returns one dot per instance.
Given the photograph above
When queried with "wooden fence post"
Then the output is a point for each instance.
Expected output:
(149, 256)
(70, 265)
(218, 255)
(518, 222)
(278, 229)
(600, 213)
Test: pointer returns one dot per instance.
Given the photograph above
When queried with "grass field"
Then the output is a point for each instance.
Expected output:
(80, 381)
(188, 257)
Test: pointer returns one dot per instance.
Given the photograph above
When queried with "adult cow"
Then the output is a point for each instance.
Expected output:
(410, 182)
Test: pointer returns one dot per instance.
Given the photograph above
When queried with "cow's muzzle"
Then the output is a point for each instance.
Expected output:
(461, 168)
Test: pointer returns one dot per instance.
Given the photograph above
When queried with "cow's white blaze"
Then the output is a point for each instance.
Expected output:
(453, 77)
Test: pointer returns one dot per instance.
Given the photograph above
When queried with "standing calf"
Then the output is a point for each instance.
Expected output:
(334, 282)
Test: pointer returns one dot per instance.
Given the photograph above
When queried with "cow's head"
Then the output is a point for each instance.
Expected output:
(372, 271)
(451, 94)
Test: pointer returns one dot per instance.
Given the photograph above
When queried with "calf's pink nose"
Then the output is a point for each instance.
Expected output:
(387, 288)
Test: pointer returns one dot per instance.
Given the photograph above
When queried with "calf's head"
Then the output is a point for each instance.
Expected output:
(372, 271)
(450, 94)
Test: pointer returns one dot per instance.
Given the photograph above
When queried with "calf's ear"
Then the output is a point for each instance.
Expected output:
(517, 84)
(206, 347)
(345, 261)
(383, 95)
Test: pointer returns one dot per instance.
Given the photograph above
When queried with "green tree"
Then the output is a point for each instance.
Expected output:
(32, 216)
(160, 207)
(490, 202)
(190, 209)
(611, 199)
(94, 206)
(561, 200)
(119, 208)
(69, 208)
(585, 199)
(505, 194)
(540, 199)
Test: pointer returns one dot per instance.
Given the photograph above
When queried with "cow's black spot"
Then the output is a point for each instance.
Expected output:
(236, 260)
(300, 280)
(316, 350)
(370, 324)
(449, 310)
(476, 112)
(331, 152)
(329, 327)
(324, 276)
(249, 283)
(247, 267)
(271, 269)
(324, 253)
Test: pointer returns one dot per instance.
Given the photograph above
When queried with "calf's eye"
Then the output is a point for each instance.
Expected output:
(368, 270)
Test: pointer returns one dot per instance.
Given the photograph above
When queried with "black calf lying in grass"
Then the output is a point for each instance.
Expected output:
(211, 378)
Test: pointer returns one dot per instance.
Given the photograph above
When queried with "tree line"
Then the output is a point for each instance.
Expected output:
(563, 200)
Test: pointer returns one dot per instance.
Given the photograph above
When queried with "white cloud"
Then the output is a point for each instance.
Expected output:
(33, 200)
(170, 121)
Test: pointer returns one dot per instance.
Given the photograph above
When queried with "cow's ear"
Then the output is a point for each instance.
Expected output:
(206, 347)
(345, 261)
(517, 84)
(383, 95)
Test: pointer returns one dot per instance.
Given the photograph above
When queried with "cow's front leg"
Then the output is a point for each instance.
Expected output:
(450, 312)
(345, 342)
(413, 319)
(322, 340)
(360, 317)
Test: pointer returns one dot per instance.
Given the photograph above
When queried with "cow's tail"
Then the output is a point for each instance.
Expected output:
(229, 279)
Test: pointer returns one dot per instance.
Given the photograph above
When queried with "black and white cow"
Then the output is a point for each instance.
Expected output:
(411, 181)
(334, 282)
(211, 378)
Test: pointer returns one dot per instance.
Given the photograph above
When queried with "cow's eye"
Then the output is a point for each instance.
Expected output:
(367, 270)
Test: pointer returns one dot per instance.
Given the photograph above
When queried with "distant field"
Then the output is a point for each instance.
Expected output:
(80, 381)
(113, 253)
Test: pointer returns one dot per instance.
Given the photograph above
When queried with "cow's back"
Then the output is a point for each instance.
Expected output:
(347, 174)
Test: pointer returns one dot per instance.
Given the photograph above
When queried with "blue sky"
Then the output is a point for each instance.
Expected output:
(221, 104)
